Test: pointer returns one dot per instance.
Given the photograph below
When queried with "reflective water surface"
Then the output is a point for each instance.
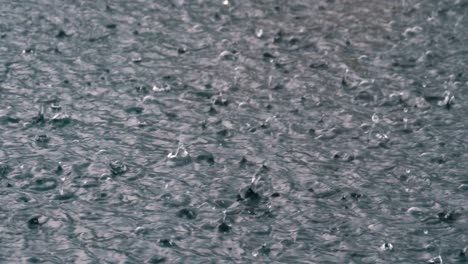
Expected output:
(233, 131)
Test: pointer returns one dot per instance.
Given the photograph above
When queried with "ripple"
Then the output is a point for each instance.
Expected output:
(44, 184)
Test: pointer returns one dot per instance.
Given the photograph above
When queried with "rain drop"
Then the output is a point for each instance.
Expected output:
(259, 32)
(386, 246)
(375, 118)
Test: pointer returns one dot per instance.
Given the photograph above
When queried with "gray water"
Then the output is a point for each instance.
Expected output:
(307, 131)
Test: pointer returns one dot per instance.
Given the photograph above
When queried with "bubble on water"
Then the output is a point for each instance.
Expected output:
(140, 230)
(149, 99)
(137, 60)
(227, 55)
(243, 105)
(415, 211)
(225, 2)
(181, 50)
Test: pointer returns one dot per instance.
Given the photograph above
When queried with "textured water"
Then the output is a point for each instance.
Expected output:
(233, 131)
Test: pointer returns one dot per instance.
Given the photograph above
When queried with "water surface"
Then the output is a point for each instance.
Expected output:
(233, 131)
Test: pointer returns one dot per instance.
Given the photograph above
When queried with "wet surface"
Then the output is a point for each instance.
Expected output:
(233, 131)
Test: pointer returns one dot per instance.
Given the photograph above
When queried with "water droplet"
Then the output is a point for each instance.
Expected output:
(156, 259)
(161, 88)
(61, 34)
(139, 230)
(28, 51)
(117, 167)
(226, 55)
(179, 157)
(275, 195)
(436, 260)
(375, 118)
(206, 157)
(137, 60)
(263, 250)
(64, 195)
(386, 246)
(464, 251)
(221, 101)
(181, 50)
(447, 217)
(111, 26)
(61, 119)
(181, 152)
(412, 31)
(55, 107)
(259, 32)
(33, 223)
(4, 169)
(164, 242)
(37, 221)
(224, 228)
(44, 184)
(187, 213)
(448, 100)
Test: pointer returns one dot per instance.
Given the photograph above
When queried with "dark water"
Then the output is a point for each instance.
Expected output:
(308, 131)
